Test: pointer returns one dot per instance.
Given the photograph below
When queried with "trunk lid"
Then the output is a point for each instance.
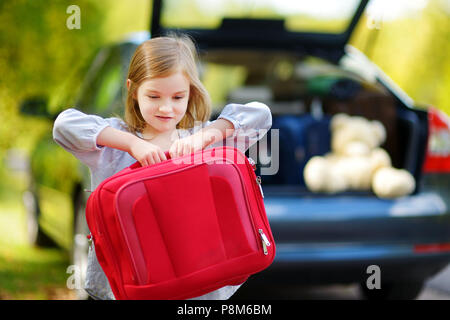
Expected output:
(320, 28)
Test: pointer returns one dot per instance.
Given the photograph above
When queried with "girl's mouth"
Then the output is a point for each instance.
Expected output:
(164, 118)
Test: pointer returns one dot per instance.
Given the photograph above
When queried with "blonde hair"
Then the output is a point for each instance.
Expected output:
(160, 57)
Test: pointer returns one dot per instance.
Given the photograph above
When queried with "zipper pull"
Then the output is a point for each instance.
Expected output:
(258, 181)
(252, 163)
(90, 238)
(265, 242)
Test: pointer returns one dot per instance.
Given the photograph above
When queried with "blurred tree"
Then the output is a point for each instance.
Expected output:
(37, 54)
(40, 56)
(414, 51)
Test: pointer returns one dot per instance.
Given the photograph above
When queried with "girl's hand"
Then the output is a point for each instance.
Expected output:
(146, 153)
(193, 143)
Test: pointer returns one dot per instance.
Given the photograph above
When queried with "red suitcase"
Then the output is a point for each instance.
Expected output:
(181, 228)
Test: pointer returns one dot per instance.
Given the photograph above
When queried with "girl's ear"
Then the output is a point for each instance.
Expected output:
(128, 88)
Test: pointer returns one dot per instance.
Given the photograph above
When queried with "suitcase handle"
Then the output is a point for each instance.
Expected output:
(137, 165)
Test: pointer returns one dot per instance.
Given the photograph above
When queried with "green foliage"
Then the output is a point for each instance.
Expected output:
(27, 272)
(45, 163)
(415, 52)
(124, 17)
(41, 56)
(39, 51)
(219, 80)
(204, 14)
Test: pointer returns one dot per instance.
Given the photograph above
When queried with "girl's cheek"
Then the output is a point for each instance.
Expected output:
(183, 107)
(148, 108)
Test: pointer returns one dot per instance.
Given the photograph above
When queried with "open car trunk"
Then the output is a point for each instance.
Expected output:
(306, 133)
(287, 55)
(302, 111)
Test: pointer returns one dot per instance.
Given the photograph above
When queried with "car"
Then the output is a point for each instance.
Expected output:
(305, 73)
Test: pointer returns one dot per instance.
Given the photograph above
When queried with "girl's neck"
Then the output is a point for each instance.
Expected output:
(159, 138)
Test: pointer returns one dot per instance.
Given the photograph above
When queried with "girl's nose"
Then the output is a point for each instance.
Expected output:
(165, 108)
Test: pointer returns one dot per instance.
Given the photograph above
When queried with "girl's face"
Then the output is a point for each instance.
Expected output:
(163, 101)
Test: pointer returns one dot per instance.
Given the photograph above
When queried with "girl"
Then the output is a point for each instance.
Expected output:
(167, 109)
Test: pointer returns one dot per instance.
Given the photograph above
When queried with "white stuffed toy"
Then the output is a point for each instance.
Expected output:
(357, 162)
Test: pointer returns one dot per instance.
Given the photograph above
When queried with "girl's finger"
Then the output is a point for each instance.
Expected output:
(172, 153)
(210, 140)
(155, 157)
(150, 159)
(187, 149)
(173, 150)
(179, 150)
(162, 156)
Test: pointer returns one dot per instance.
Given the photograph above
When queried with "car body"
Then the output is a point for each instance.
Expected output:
(320, 238)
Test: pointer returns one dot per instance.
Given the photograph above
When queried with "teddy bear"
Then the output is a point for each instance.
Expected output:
(356, 161)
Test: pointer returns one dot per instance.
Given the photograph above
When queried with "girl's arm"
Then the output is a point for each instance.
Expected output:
(251, 122)
(144, 152)
(241, 125)
(85, 135)
(216, 131)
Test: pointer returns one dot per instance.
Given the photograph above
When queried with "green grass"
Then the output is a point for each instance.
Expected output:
(27, 272)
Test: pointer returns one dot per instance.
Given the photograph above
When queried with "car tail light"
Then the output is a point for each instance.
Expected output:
(438, 151)
(432, 248)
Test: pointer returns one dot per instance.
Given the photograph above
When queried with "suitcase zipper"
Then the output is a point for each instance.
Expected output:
(252, 163)
(90, 238)
(258, 178)
(107, 241)
(258, 181)
(265, 242)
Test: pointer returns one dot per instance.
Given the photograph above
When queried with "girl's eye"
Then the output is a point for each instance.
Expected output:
(178, 97)
(153, 97)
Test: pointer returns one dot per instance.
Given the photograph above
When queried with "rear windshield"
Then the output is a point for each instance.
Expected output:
(329, 16)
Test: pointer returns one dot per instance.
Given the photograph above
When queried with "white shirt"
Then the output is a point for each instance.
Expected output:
(77, 133)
